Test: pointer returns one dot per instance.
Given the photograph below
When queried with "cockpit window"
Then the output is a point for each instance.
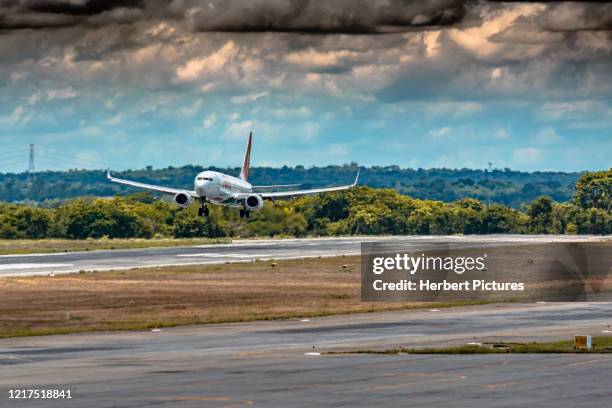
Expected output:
(205, 179)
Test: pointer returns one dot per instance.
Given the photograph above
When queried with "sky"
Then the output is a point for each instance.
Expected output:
(443, 83)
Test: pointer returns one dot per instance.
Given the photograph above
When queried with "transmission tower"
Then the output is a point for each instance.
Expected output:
(31, 166)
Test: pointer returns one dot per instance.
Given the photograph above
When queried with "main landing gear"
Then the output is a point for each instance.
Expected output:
(203, 211)
(245, 213)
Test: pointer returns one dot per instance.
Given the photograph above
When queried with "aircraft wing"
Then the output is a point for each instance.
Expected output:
(279, 195)
(274, 186)
(159, 189)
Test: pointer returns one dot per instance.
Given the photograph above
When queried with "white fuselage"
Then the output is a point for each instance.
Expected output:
(219, 188)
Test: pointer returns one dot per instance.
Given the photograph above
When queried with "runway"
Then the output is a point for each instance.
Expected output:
(277, 363)
(239, 251)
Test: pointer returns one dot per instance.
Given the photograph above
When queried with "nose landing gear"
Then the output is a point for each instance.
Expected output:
(245, 213)
(203, 211)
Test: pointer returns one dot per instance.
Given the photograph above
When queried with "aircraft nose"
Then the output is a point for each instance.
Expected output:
(201, 186)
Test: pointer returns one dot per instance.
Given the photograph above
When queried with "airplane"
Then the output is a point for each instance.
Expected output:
(225, 190)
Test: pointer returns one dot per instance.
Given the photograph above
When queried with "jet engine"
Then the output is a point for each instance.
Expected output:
(253, 202)
(183, 199)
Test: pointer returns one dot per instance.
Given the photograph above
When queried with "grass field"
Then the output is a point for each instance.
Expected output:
(29, 246)
(170, 296)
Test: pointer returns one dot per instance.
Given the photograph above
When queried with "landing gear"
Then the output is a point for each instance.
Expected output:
(245, 213)
(203, 211)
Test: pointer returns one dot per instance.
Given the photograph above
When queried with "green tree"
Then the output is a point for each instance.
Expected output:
(501, 220)
(564, 215)
(187, 224)
(540, 213)
(420, 219)
(594, 221)
(594, 190)
(19, 221)
(280, 219)
(86, 218)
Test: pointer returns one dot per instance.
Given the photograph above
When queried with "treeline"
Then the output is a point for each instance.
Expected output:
(506, 187)
(362, 210)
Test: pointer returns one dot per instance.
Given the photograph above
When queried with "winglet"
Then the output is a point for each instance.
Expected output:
(108, 174)
(356, 178)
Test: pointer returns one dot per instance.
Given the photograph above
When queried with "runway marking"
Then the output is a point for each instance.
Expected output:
(416, 374)
(238, 404)
(7, 267)
(216, 255)
(37, 255)
(581, 363)
(245, 256)
(195, 398)
(505, 384)
(404, 384)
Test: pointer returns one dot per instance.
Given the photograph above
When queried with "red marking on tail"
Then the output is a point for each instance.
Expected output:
(244, 173)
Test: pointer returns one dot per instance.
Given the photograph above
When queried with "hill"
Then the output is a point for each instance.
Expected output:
(506, 187)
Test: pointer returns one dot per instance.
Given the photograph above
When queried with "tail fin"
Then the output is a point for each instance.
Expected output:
(244, 173)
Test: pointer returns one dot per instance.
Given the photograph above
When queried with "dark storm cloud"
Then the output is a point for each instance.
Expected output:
(303, 16)
(11, 20)
(373, 16)
(343, 16)
(578, 17)
(85, 7)
(40, 14)
(307, 16)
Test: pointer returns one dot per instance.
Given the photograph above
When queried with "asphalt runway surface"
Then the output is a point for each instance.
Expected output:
(283, 363)
(240, 251)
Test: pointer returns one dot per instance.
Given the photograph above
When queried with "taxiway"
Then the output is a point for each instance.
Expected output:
(283, 363)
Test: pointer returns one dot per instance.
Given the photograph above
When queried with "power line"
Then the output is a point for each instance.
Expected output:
(64, 157)
(47, 158)
(8, 154)
(14, 157)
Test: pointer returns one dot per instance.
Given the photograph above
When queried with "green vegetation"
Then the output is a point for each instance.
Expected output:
(359, 211)
(601, 344)
(594, 190)
(505, 187)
